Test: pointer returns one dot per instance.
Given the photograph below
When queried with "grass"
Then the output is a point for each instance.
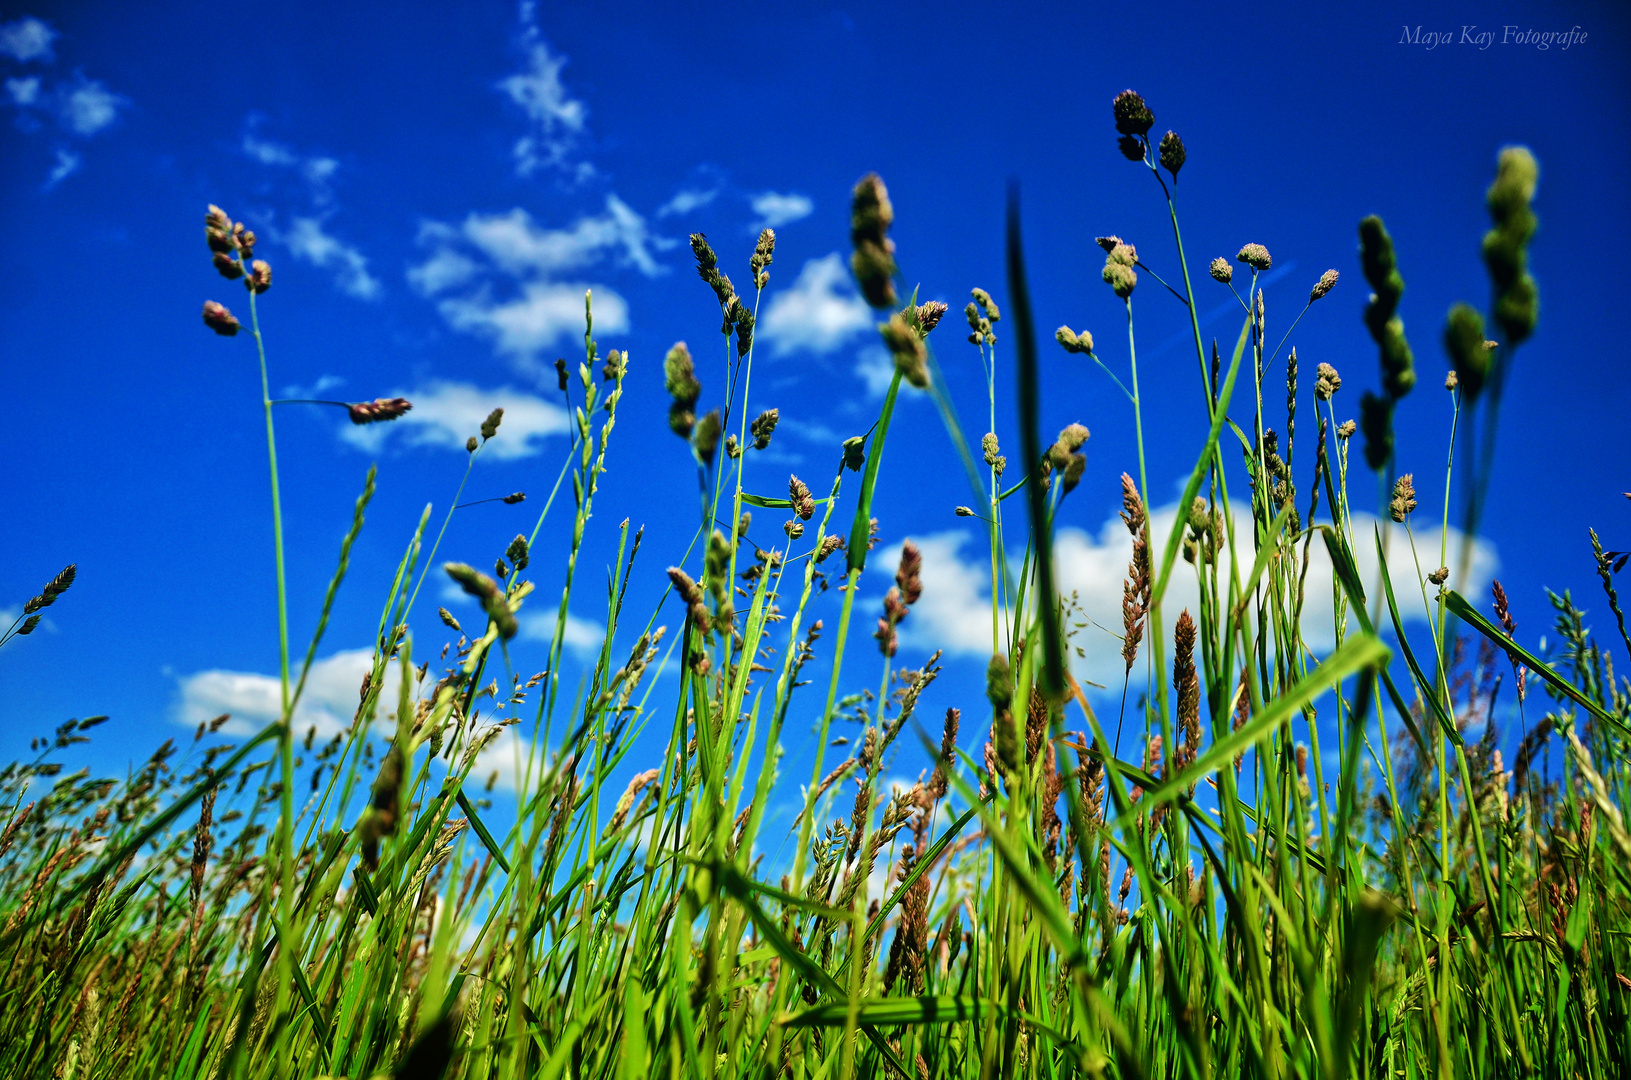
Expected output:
(1189, 893)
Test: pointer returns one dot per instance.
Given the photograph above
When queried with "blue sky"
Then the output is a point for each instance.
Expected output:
(434, 194)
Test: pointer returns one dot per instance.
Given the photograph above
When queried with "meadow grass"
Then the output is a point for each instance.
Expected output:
(1191, 890)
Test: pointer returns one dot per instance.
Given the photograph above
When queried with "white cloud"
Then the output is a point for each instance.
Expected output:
(27, 39)
(485, 250)
(306, 239)
(24, 92)
(89, 107)
(686, 200)
(254, 700)
(954, 612)
(582, 637)
(316, 170)
(875, 367)
(445, 414)
(775, 209)
(329, 702)
(817, 313)
(446, 269)
(541, 315)
(557, 120)
(517, 246)
(67, 164)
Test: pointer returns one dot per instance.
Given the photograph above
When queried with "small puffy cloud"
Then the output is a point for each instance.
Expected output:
(255, 700)
(27, 39)
(445, 414)
(954, 612)
(686, 200)
(88, 107)
(818, 313)
(775, 209)
(67, 164)
(582, 637)
(24, 92)
(556, 119)
(306, 239)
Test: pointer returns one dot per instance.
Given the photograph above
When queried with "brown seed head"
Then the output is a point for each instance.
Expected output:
(873, 263)
(1346, 429)
(799, 494)
(907, 575)
(1404, 497)
(911, 355)
(763, 426)
(229, 267)
(370, 412)
(1325, 284)
(219, 319)
(929, 316)
(260, 276)
(1221, 270)
(1439, 576)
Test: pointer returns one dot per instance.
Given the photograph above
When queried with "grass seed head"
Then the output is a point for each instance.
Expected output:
(489, 426)
(873, 263)
(380, 409)
(1172, 153)
(1133, 117)
(260, 276)
(219, 319)
(1404, 497)
(763, 426)
(1324, 285)
(906, 345)
(227, 266)
(1073, 342)
(1255, 256)
(1326, 382)
(1221, 271)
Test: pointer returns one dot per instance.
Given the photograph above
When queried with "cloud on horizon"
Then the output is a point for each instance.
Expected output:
(954, 612)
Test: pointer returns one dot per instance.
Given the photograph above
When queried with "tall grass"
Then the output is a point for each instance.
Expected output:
(1202, 889)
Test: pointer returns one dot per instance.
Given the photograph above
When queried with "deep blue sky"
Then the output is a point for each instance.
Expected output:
(417, 249)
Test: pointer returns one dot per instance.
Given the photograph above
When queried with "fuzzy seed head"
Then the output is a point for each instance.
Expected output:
(1325, 284)
(1221, 271)
(219, 319)
(1133, 117)
(1255, 256)
(1172, 153)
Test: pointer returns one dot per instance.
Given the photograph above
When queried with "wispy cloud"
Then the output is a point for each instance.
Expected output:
(775, 209)
(686, 200)
(556, 120)
(497, 275)
(308, 236)
(67, 164)
(27, 39)
(316, 170)
(445, 414)
(306, 239)
(818, 313)
(954, 612)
